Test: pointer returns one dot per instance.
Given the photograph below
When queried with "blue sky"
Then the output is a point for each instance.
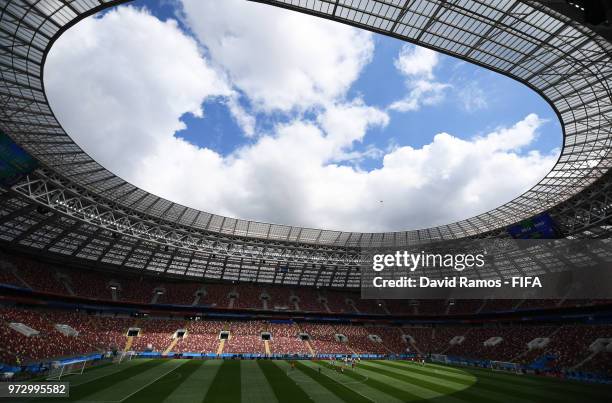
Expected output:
(379, 84)
(218, 106)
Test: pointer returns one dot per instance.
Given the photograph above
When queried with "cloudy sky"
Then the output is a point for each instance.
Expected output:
(246, 110)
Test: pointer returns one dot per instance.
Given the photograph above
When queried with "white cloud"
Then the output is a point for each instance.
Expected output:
(347, 123)
(124, 106)
(472, 97)
(417, 61)
(245, 120)
(120, 82)
(422, 92)
(417, 64)
(281, 60)
(290, 177)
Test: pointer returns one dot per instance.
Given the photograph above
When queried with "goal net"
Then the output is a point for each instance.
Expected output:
(124, 356)
(61, 369)
(439, 358)
(503, 366)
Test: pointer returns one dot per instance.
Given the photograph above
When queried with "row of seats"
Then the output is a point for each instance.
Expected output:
(286, 340)
(28, 273)
(155, 334)
(323, 339)
(202, 336)
(48, 341)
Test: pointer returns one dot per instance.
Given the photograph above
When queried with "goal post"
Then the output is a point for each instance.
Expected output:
(441, 358)
(124, 356)
(503, 366)
(61, 369)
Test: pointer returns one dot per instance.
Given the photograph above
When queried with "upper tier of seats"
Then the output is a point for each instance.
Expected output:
(27, 273)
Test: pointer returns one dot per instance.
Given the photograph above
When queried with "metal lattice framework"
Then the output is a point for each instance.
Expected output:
(92, 214)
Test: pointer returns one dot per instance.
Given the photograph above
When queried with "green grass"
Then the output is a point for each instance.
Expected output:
(285, 388)
(166, 385)
(81, 391)
(226, 385)
(337, 388)
(214, 381)
(386, 388)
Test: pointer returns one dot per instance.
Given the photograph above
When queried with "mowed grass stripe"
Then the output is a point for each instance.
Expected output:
(494, 384)
(285, 388)
(80, 391)
(338, 389)
(435, 375)
(474, 390)
(313, 389)
(535, 385)
(166, 385)
(422, 389)
(358, 385)
(462, 376)
(226, 385)
(127, 387)
(469, 392)
(255, 387)
(401, 394)
(91, 376)
(566, 385)
(527, 379)
(466, 379)
(195, 387)
(489, 388)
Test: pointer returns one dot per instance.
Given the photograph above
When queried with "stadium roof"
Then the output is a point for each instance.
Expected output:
(91, 213)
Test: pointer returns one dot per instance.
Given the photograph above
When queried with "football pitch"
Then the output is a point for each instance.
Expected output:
(233, 381)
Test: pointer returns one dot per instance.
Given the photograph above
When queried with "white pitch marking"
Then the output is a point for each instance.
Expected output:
(342, 383)
(149, 384)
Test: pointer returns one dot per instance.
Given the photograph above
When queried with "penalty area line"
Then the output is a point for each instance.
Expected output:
(352, 383)
(149, 383)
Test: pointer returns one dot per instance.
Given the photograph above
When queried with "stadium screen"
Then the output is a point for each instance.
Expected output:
(538, 227)
(14, 161)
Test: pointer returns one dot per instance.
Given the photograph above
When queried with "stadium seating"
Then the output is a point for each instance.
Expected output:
(502, 305)
(323, 340)
(145, 290)
(309, 300)
(579, 338)
(245, 338)
(537, 304)
(6, 273)
(359, 342)
(136, 290)
(101, 333)
(285, 339)
(392, 339)
(48, 343)
(464, 307)
(178, 293)
(280, 298)
(336, 301)
(156, 334)
(202, 337)
(568, 347)
(598, 364)
(216, 295)
(89, 285)
(249, 297)
(38, 276)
